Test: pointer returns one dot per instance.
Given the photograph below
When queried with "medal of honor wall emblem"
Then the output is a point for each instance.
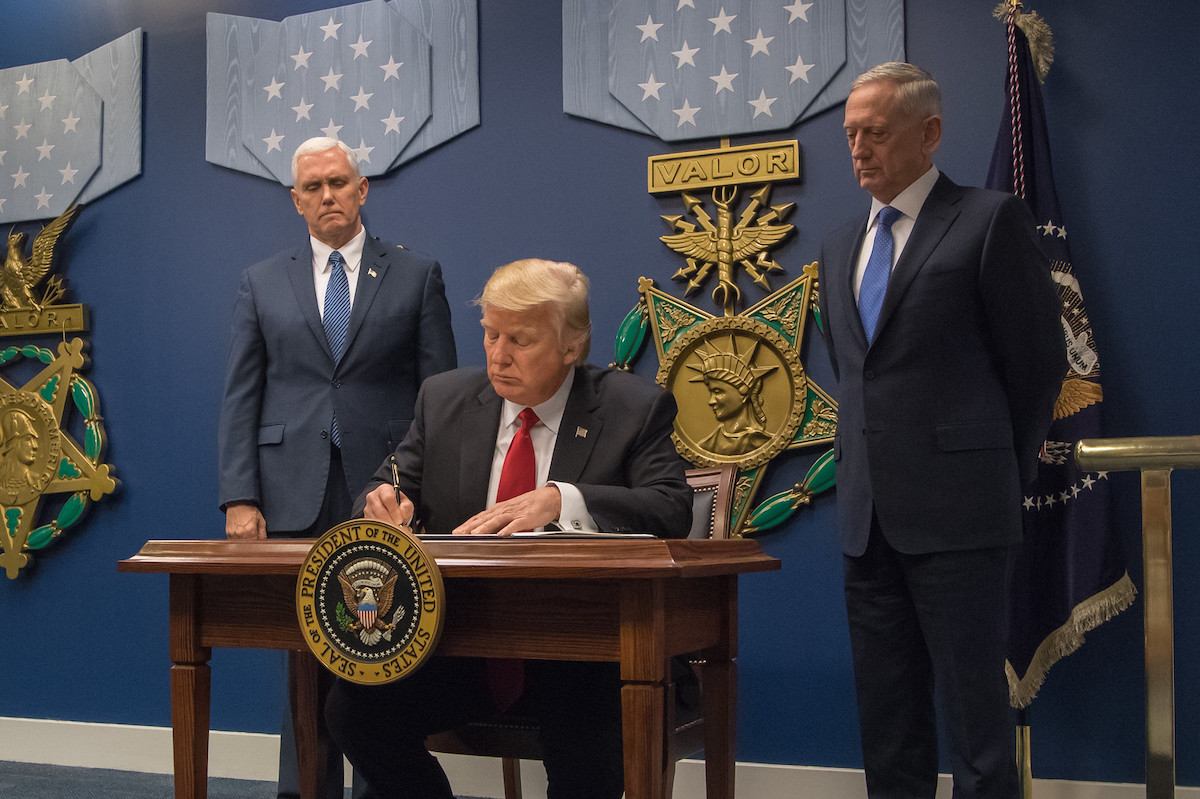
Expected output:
(370, 601)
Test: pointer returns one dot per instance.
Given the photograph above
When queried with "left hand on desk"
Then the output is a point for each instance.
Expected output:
(530, 510)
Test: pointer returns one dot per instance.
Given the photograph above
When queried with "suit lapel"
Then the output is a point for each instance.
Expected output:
(300, 274)
(577, 433)
(371, 272)
(478, 427)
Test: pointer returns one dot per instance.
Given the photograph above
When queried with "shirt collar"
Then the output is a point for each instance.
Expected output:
(549, 413)
(909, 201)
(351, 252)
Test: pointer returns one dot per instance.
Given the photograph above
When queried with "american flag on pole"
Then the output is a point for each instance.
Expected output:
(1070, 576)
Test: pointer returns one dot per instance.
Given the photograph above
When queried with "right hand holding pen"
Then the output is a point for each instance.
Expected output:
(389, 505)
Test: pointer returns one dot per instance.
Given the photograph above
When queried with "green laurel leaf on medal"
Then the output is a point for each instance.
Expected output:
(66, 470)
(72, 509)
(49, 390)
(774, 511)
(41, 536)
(821, 475)
(631, 335)
(84, 397)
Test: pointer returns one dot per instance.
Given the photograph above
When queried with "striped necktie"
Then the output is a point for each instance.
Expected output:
(336, 319)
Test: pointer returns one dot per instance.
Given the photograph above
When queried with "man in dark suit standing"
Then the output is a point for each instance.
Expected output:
(943, 328)
(330, 343)
(539, 438)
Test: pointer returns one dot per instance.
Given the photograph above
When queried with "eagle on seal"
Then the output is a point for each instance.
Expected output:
(369, 599)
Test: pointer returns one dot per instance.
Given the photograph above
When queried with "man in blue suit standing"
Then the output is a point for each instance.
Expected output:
(943, 328)
(330, 343)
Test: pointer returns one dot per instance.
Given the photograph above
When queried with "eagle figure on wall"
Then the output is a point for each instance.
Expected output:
(21, 275)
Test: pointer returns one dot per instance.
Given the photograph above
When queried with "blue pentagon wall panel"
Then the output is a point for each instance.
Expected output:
(61, 121)
(687, 69)
(49, 138)
(391, 79)
(115, 72)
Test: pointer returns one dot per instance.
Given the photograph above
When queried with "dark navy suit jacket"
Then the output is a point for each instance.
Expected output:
(282, 385)
(942, 416)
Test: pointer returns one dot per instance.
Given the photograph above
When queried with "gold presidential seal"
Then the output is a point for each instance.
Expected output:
(370, 601)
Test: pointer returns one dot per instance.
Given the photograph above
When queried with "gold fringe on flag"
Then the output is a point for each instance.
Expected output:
(1037, 32)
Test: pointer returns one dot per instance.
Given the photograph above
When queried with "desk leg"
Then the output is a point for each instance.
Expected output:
(308, 684)
(642, 721)
(190, 691)
(719, 703)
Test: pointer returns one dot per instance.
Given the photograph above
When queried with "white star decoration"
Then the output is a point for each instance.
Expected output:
(273, 89)
(798, 10)
(391, 69)
(331, 79)
(799, 70)
(273, 141)
(724, 80)
(360, 48)
(685, 55)
(302, 110)
(649, 29)
(686, 113)
(331, 29)
(721, 22)
(392, 122)
(763, 104)
(301, 58)
(360, 99)
(759, 44)
(650, 87)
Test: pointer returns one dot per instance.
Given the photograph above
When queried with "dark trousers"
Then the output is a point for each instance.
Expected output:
(929, 630)
(382, 728)
(335, 509)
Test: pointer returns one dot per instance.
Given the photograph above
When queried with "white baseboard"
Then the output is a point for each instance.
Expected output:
(254, 756)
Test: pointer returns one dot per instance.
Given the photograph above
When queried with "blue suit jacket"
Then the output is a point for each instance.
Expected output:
(614, 445)
(941, 417)
(282, 386)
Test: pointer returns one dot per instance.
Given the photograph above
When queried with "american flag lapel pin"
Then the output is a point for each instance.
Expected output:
(371, 272)
(581, 432)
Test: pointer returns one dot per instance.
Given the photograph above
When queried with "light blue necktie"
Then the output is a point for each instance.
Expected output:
(879, 269)
(336, 319)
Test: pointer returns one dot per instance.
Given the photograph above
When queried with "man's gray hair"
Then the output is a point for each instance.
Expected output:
(528, 283)
(319, 144)
(916, 90)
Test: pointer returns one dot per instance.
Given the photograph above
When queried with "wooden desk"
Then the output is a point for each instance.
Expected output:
(637, 602)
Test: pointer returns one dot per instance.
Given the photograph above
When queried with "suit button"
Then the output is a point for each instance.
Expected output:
(324, 434)
(869, 374)
(336, 383)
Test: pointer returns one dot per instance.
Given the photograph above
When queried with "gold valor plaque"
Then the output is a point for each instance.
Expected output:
(740, 388)
(370, 600)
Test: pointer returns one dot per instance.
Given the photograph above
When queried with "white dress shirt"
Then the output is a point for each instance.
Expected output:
(573, 516)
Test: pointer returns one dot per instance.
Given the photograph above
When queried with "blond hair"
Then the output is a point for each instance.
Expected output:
(530, 282)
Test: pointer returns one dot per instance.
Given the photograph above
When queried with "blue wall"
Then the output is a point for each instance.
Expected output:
(158, 260)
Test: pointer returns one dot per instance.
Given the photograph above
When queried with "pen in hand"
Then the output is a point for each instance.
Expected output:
(395, 478)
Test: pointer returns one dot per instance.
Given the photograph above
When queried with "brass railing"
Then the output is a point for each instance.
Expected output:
(1155, 458)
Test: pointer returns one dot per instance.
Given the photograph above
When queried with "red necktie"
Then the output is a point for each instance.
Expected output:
(506, 676)
(519, 473)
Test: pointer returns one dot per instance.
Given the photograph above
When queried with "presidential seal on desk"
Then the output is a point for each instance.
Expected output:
(370, 601)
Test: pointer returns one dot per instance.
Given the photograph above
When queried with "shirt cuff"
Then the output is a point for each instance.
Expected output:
(573, 516)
